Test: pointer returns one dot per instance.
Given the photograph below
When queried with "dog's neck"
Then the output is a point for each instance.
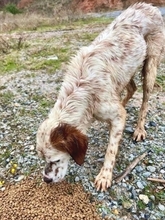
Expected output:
(74, 107)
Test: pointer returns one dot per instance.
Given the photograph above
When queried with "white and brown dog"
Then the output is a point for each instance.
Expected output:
(95, 78)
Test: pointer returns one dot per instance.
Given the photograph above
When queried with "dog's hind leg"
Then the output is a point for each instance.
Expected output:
(131, 88)
(154, 53)
(149, 74)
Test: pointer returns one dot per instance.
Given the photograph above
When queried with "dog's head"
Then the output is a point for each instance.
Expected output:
(56, 146)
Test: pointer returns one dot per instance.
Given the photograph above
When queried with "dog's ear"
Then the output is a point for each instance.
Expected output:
(69, 139)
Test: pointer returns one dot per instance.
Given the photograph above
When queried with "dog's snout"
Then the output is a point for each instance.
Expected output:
(47, 180)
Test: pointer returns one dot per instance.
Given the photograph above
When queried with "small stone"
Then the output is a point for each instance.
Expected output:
(162, 171)
(146, 174)
(127, 204)
(140, 185)
(19, 178)
(144, 198)
(32, 147)
(129, 130)
(115, 211)
(151, 169)
(161, 207)
(152, 197)
(139, 169)
(2, 189)
(152, 123)
(77, 179)
(133, 193)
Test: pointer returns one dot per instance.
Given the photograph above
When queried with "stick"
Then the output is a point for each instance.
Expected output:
(131, 167)
(156, 180)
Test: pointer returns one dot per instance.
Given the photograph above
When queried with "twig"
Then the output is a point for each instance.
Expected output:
(156, 180)
(131, 167)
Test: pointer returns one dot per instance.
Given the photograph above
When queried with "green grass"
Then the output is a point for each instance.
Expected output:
(161, 81)
(141, 205)
(150, 190)
(6, 97)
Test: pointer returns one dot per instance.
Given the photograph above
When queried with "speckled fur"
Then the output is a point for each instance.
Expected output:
(95, 78)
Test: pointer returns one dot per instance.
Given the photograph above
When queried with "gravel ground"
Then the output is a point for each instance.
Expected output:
(26, 100)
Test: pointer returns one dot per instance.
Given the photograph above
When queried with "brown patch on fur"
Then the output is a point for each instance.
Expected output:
(48, 168)
(56, 171)
(67, 138)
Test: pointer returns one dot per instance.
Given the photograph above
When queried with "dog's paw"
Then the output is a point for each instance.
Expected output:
(139, 134)
(103, 179)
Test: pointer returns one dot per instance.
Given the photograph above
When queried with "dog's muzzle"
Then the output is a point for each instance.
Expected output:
(47, 180)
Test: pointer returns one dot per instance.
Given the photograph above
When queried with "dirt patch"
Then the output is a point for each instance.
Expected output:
(33, 200)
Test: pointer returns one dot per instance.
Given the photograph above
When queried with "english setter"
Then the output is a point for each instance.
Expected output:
(92, 86)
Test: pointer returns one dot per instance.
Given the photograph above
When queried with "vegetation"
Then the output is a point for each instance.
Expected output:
(12, 8)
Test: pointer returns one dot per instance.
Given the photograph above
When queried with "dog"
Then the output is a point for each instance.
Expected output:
(92, 87)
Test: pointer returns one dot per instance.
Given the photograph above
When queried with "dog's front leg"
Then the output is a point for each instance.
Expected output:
(104, 178)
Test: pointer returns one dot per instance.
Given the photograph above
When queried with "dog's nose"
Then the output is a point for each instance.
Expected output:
(47, 180)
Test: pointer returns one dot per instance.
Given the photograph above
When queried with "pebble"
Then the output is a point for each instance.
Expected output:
(133, 193)
(19, 178)
(144, 198)
(151, 169)
(152, 123)
(147, 174)
(129, 130)
(140, 185)
(139, 169)
(77, 179)
(127, 204)
(161, 207)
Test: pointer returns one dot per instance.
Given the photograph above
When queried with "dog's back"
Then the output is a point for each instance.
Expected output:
(144, 16)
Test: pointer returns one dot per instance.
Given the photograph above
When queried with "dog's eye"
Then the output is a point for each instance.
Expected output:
(56, 161)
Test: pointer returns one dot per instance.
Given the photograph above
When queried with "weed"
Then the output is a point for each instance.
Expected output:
(160, 79)
(159, 193)
(6, 97)
(141, 205)
(12, 8)
(43, 101)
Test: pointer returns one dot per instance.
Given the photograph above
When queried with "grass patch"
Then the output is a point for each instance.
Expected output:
(160, 79)
(31, 51)
(93, 21)
(43, 101)
(6, 97)
(32, 21)
(141, 205)
(150, 190)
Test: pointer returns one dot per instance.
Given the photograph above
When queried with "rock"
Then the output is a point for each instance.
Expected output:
(139, 169)
(146, 174)
(144, 198)
(161, 207)
(133, 193)
(127, 204)
(151, 169)
(152, 197)
(129, 130)
(152, 124)
(19, 178)
(32, 147)
(140, 185)
(77, 179)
